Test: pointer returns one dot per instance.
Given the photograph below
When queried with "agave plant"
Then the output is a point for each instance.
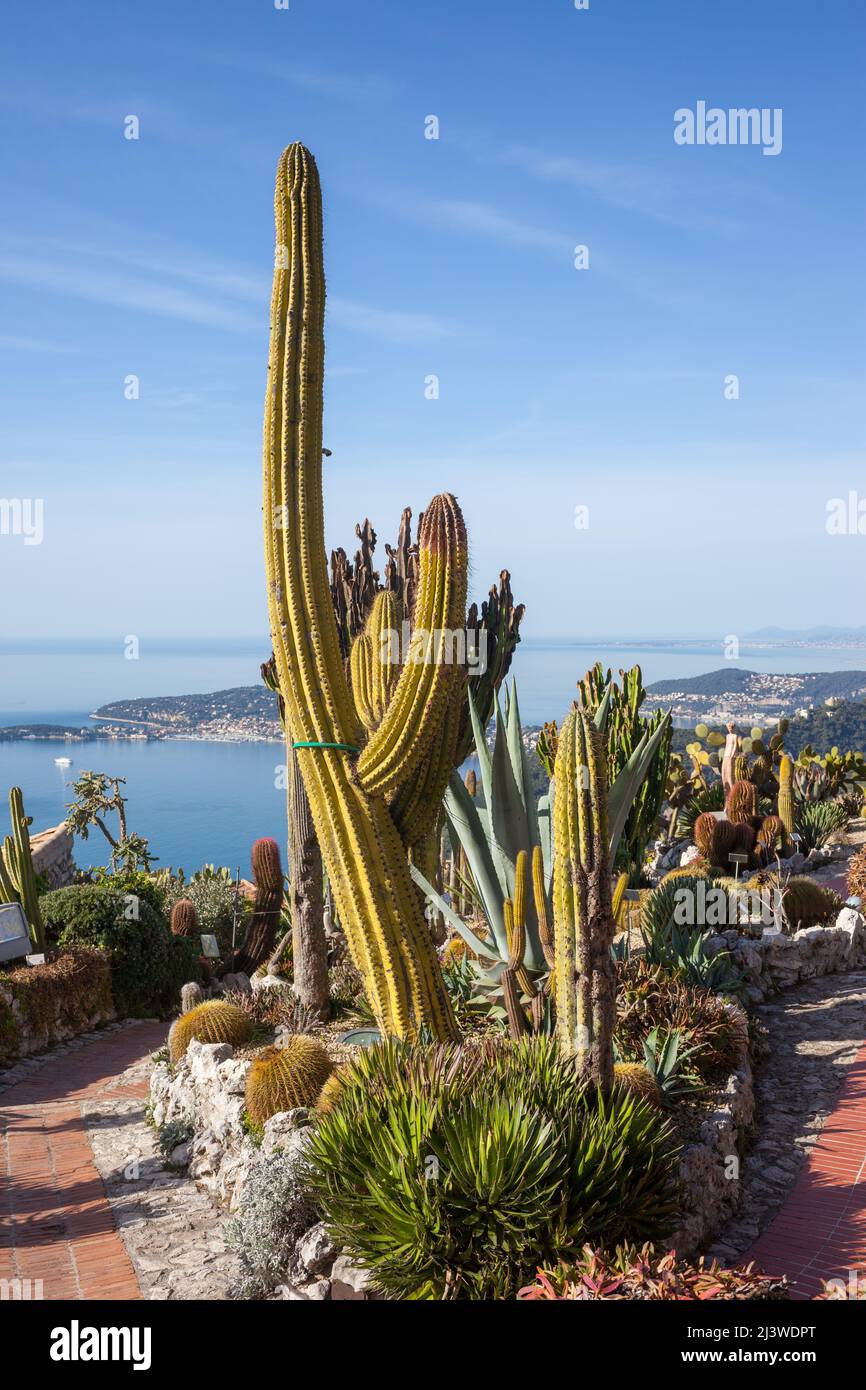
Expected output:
(817, 821)
(492, 837)
(669, 1059)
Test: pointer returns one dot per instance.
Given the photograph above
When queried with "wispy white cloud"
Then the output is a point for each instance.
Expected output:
(106, 263)
(37, 345)
(352, 87)
(395, 324)
(645, 191)
(475, 217)
(100, 286)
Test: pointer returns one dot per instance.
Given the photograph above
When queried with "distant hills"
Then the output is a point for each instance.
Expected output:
(809, 634)
(188, 711)
(787, 691)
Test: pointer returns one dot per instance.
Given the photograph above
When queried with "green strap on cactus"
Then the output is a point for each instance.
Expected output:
(311, 743)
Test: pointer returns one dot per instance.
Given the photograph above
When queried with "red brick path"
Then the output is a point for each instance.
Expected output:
(820, 1232)
(55, 1220)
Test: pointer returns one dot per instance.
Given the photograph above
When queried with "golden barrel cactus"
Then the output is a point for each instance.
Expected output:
(214, 1021)
(635, 1078)
(286, 1078)
(329, 1096)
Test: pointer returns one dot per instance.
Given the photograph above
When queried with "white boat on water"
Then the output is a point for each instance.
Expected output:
(62, 762)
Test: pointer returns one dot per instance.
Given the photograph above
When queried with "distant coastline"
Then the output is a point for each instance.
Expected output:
(244, 714)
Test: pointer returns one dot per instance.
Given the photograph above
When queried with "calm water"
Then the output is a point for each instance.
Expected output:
(206, 802)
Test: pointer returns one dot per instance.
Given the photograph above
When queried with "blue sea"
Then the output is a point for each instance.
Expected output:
(200, 802)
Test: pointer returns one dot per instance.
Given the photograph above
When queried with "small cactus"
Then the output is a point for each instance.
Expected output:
(184, 918)
(744, 839)
(634, 1077)
(761, 771)
(805, 903)
(455, 950)
(191, 995)
(329, 1096)
(211, 1022)
(772, 834)
(285, 1078)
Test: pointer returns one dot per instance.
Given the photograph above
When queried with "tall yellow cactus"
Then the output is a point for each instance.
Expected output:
(583, 918)
(374, 762)
(786, 794)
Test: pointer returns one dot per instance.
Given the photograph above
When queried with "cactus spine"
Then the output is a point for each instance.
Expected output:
(408, 758)
(17, 874)
(582, 910)
(786, 793)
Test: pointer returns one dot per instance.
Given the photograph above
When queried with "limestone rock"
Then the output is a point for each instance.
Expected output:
(348, 1282)
(315, 1251)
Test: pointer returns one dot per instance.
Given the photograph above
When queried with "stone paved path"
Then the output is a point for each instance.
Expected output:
(87, 1203)
(820, 1233)
(804, 1179)
(57, 1225)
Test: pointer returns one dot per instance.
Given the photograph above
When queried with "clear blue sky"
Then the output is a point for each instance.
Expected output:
(558, 387)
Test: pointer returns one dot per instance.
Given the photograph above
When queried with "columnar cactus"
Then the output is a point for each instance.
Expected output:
(582, 911)
(17, 875)
(742, 802)
(262, 932)
(786, 793)
(374, 796)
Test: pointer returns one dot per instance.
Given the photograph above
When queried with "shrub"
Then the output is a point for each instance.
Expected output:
(136, 883)
(148, 965)
(57, 999)
(275, 1210)
(626, 1273)
(455, 1172)
(214, 1021)
(212, 894)
(857, 875)
(648, 997)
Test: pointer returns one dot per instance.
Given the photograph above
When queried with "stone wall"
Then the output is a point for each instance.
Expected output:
(203, 1094)
(51, 852)
(710, 1187)
(774, 961)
